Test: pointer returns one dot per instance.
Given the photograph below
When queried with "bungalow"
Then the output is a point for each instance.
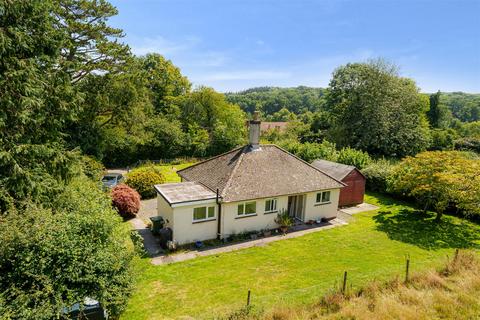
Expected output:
(243, 190)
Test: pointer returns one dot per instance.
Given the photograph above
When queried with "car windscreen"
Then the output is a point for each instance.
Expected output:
(109, 178)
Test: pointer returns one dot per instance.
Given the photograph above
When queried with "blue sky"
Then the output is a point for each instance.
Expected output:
(232, 45)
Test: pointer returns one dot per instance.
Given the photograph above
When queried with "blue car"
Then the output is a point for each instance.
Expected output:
(111, 180)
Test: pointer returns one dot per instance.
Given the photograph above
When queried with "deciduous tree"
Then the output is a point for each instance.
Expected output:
(53, 258)
(439, 179)
(377, 111)
(438, 115)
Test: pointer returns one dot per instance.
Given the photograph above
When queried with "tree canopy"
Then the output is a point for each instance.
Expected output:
(377, 111)
(439, 180)
(53, 258)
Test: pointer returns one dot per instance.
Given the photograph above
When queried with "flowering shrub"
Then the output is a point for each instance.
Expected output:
(126, 200)
(144, 178)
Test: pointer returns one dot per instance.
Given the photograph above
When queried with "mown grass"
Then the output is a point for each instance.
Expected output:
(170, 171)
(297, 272)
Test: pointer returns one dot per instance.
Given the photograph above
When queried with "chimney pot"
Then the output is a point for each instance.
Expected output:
(254, 131)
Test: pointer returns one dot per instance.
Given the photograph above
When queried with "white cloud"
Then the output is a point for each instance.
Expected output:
(186, 53)
(163, 46)
(244, 75)
(208, 59)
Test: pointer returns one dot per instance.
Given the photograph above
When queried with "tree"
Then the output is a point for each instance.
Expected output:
(282, 115)
(438, 115)
(464, 106)
(90, 44)
(165, 82)
(440, 179)
(165, 139)
(310, 151)
(443, 139)
(471, 129)
(352, 157)
(224, 122)
(36, 101)
(375, 110)
(53, 258)
(112, 102)
(270, 100)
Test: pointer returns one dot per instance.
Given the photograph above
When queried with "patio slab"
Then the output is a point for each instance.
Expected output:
(363, 207)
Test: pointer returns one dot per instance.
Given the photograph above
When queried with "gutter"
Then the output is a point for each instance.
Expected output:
(219, 220)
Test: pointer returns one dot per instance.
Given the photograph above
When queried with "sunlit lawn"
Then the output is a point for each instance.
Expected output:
(170, 171)
(298, 271)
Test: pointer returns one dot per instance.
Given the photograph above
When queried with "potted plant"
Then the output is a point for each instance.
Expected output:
(284, 220)
(267, 232)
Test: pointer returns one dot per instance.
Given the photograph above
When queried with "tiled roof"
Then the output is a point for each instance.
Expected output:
(184, 192)
(243, 174)
(336, 170)
(281, 126)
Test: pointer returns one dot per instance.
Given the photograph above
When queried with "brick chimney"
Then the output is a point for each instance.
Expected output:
(254, 131)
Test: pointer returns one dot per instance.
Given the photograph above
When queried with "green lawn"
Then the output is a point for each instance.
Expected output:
(298, 271)
(170, 171)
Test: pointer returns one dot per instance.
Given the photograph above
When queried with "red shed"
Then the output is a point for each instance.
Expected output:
(353, 193)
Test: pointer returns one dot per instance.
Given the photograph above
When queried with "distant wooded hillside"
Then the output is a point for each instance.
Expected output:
(275, 102)
(298, 100)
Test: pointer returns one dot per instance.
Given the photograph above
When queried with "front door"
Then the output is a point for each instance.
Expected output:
(296, 206)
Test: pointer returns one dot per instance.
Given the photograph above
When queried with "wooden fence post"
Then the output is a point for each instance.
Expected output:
(456, 255)
(344, 286)
(248, 298)
(407, 269)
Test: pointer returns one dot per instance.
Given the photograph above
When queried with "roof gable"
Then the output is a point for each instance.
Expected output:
(337, 170)
(243, 174)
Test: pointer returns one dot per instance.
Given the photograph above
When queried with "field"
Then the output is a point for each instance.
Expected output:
(297, 272)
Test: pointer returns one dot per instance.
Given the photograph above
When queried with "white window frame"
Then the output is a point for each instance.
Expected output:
(275, 202)
(207, 218)
(243, 205)
(322, 195)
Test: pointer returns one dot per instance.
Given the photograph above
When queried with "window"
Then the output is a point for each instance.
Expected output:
(323, 197)
(271, 205)
(203, 213)
(247, 208)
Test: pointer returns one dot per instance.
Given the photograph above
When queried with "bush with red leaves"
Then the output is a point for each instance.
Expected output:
(126, 200)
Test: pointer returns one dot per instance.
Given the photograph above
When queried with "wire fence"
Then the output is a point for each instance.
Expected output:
(343, 285)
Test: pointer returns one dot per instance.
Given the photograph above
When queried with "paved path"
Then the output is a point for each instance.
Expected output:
(363, 207)
(164, 259)
(148, 208)
(150, 243)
